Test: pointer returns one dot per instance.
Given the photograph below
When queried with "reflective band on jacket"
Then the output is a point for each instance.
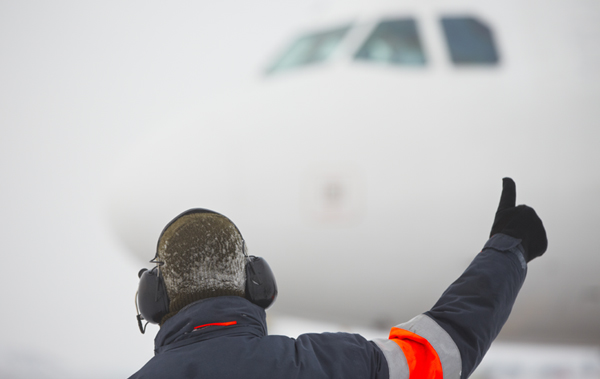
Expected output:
(421, 349)
(422, 359)
(397, 365)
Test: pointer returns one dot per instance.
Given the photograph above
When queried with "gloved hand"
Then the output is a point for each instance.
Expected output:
(519, 222)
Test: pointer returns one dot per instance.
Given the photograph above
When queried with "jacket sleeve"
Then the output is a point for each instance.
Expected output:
(450, 340)
(338, 355)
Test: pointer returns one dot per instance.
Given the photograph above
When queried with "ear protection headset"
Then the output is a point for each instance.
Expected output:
(152, 299)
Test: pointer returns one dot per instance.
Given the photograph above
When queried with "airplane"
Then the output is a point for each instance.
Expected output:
(365, 162)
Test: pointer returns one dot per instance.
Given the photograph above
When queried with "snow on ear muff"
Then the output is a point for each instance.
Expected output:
(261, 288)
(152, 297)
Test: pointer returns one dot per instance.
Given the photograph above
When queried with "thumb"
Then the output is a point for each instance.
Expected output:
(509, 195)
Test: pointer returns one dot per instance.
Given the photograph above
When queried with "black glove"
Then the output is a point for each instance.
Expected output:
(519, 222)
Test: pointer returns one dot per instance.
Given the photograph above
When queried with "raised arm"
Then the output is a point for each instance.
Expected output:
(475, 307)
(451, 339)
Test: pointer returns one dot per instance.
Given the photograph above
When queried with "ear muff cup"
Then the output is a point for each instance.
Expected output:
(261, 288)
(152, 297)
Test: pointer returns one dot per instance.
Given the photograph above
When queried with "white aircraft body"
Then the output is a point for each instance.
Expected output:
(365, 164)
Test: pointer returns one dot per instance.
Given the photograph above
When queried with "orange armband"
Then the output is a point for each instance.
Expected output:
(423, 361)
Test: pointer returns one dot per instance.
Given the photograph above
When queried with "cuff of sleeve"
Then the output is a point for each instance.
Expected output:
(505, 243)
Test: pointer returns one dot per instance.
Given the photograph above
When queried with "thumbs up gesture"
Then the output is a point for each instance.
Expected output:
(519, 222)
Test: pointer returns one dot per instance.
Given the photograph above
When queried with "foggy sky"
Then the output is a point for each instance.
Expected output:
(79, 83)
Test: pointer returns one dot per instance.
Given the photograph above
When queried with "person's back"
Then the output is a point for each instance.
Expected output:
(213, 322)
(226, 337)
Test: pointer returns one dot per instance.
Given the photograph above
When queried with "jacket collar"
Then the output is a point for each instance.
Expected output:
(178, 330)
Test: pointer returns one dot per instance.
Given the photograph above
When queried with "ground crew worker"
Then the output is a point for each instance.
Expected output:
(213, 320)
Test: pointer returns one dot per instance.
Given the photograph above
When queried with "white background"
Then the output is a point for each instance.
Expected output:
(80, 82)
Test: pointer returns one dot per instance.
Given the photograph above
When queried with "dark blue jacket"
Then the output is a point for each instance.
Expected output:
(244, 350)
(458, 330)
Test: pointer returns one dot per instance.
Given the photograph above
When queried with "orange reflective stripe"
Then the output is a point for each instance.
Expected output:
(423, 361)
(218, 324)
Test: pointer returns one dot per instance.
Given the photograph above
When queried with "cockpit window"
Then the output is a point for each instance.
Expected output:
(395, 42)
(310, 49)
(470, 42)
